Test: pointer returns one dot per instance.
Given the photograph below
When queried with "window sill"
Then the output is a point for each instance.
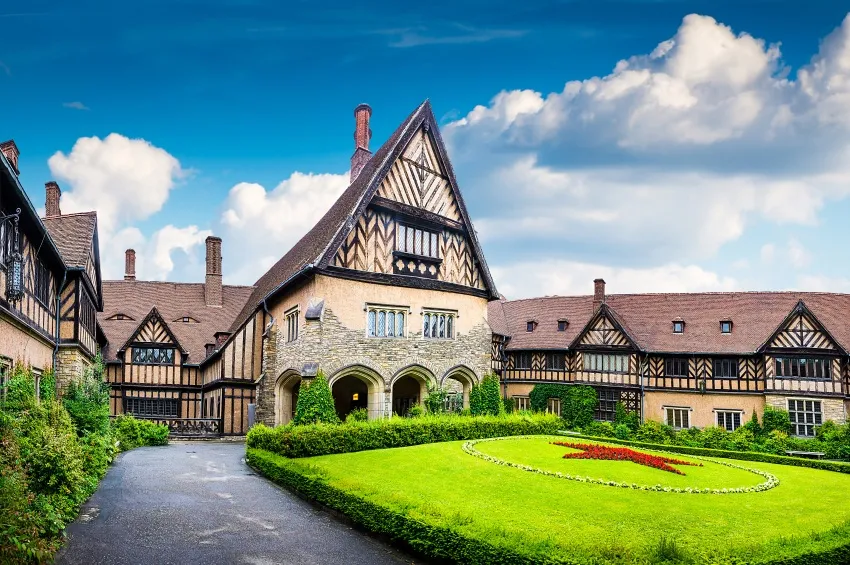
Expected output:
(427, 258)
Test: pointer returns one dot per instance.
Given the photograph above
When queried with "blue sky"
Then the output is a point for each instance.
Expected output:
(686, 175)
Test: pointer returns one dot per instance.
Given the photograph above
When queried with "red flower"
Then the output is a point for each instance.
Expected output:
(604, 452)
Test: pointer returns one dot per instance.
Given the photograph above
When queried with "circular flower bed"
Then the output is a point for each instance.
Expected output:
(771, 482)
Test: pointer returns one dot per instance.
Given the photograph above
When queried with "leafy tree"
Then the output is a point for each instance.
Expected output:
(625, 417)
(775, 419)
(485, 398)
(87, 400)
(315, 402)
(435, 402)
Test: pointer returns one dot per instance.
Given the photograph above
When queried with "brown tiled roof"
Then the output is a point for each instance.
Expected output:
(173, 301)
(314, 249)
(648, 319)
(73, 234)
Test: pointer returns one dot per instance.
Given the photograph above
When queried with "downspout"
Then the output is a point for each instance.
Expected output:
(56, 345)
(265, 336)
(643, 365)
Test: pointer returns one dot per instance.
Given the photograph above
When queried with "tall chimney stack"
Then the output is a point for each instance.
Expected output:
(51, 203)
(130, 265)
(212, 285)
(10, 150)
(598, 294)
(362, 135)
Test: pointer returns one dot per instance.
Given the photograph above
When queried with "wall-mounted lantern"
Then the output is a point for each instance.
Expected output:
(14, 262)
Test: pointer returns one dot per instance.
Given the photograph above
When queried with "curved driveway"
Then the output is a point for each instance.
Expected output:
(190, 503)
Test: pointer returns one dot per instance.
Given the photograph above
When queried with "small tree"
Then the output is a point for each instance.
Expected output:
(485, 398)
(435, 402)
(625, 417)
(315, 402)
(775, 419)
(87, 400)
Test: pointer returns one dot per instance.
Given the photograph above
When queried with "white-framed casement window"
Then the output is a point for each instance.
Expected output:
(605, 362)
(291, 317)
(386, 321)
(417, 241)
(553, 406)
(438, 324)
(728, 419)
(805, 415)
(522, 403)
(678, 417)
(5, 375)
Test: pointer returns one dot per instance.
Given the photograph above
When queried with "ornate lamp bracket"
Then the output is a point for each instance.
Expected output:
(14, 261)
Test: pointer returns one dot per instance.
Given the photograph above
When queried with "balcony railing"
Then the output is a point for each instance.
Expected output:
(189, 427)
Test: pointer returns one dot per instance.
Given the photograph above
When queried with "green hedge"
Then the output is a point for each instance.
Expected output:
(578, 402)
(437, 542)
(323, 439)
(726, 454)
(131, 432)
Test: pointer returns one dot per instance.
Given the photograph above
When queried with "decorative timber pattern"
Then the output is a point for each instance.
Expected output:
(419, 179)
(370, 245)
(603, 332)
(154, 330)
(458, 264)
(801, 332)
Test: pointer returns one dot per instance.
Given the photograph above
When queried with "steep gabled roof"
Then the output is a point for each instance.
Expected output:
(75, 235)
(607, 313)
(648, 317)
(316, 249)
(155, 316)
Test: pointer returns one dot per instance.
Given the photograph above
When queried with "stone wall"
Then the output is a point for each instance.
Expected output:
(336, 348)
(833, 408)
(70, 363)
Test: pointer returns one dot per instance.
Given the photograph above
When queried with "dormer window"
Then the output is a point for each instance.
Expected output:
(120, 317)
(678, 327)
(187, 320)
(725, 326)
(562, 325)
(530, 325)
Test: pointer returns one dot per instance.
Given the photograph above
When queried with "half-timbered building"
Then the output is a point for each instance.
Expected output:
(696, 359)
(49, 281)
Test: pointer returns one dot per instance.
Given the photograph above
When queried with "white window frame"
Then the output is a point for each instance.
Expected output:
(729, 412)
(445, 326)
(5, 374)
(292, 322)
(684, 413)
(418, 241)
(553, 406)
(817, 416)
(382, 314)
(605, 362)
(521, 402)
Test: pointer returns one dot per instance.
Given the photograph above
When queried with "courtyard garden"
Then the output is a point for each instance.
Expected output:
(514, 488)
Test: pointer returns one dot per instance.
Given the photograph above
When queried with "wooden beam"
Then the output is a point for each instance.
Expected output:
(416, 215)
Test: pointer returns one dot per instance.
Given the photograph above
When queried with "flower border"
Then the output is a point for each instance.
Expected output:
(771, 482)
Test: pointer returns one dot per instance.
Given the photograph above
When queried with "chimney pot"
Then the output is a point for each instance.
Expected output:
(209, 348)
(52, 194)
(130, 265)
(212, 284)
(10, 150)
(220, 338)
(362, 135)
(598, 293)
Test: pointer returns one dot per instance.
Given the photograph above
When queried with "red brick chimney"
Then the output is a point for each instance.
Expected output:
(10, 150)
(212, 285)
(598, 294)
(130, 265)
(52, 193)
(362, 135)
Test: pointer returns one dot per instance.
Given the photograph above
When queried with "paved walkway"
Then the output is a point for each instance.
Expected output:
(191, 503)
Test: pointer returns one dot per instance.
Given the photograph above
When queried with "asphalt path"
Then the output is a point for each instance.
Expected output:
(199, 503)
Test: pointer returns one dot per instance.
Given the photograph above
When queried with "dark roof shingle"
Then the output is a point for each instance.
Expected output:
(74, 235)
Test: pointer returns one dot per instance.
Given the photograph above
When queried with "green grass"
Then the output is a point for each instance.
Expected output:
(539, 515)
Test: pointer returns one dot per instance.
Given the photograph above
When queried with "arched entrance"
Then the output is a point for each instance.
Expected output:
(357, 386)
(286, 397)
(409, 388)
(460, 380)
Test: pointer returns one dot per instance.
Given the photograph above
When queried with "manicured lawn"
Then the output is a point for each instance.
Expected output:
(547, 516)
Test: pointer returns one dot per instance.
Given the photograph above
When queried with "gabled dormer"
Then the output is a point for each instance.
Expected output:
(801, 331)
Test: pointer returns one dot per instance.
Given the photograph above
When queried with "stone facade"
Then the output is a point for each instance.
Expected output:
(340, 350)
(70, 363)
(833, 408)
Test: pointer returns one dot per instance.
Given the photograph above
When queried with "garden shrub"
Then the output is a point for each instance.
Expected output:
(654, 432)
(315, 402)
(485, 398)
(435, 401)
(87, 401)
(360, 415)
(622, 431)
(508, 403)
(131, 432)
(323, 439)
(578, 402)
(753, 425)
(625, 417)
(775, 419)
(600, 429)
(714, 437)
(415, 412)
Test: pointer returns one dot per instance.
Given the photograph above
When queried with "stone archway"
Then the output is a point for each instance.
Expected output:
(462, 378)
(286, 397)
(409, 388)
(349, 385)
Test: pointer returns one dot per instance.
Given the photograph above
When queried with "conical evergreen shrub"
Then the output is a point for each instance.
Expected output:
(315, 402)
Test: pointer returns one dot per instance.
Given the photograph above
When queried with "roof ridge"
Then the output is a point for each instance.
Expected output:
(700, 293)
(175, 282)
(72, 214)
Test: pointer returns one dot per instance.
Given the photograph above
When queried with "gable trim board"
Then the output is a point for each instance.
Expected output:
(825, 343)
(152, 317)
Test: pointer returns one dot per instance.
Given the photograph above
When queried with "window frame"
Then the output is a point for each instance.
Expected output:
(728, 412)
(601, 358)
(553, 406)
(374, 310)
(521, 402)
(446, 323)
(724, 324)
(684, 414)
(797, 363)
(523, 355)
(562, 361)
(562, 325)
(292, 320)
(677, 361)
(405, 241)
(722, 361)
(5, 374)
(172, 352)
(606, 404)
(171, 407)
(41, 283)
(678, 327)
(530, 326)
(794, 415)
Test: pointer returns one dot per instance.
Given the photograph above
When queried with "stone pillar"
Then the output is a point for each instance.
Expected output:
(265, 391)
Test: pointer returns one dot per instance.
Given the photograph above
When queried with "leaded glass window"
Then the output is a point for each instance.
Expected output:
(385, 321)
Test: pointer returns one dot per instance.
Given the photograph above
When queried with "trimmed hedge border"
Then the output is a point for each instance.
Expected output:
(437, 542)
(723, 453)
(771, 482)
(327, 439)
(433, 541)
